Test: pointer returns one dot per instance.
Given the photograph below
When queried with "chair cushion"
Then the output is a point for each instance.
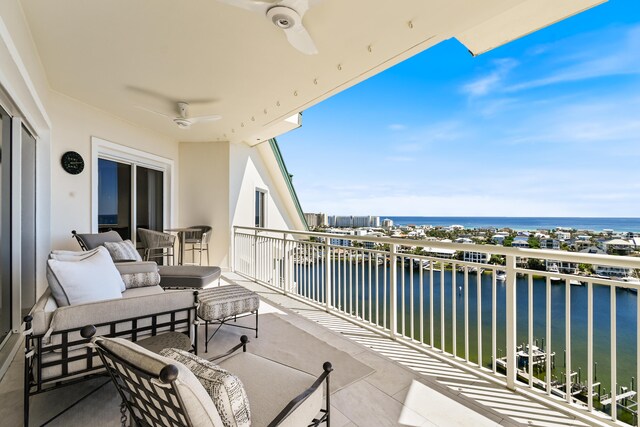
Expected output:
(226, 301)
(198, 405)
(187, 276)
(225, 389)
(93, 240)
(88, 279)
(271, 386)
(123, 251)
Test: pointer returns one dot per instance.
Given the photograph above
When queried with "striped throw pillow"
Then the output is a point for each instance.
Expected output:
(123, 251)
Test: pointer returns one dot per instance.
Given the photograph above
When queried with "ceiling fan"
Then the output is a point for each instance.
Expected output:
(183, 121)
(286, 15)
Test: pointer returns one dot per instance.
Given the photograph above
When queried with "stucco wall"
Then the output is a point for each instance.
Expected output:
(204, 193)
(248, 171)
(74, 123)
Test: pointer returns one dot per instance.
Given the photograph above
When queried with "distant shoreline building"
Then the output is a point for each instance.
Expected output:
(316, 220)
(354, 221)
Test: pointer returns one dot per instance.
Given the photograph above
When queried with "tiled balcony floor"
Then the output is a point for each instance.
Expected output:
(406, 387)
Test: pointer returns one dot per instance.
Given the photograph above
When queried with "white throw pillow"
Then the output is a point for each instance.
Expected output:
(89, 279)
(68, 256)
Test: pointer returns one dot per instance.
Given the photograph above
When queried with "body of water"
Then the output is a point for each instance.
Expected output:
(367, 295)
(522, 223)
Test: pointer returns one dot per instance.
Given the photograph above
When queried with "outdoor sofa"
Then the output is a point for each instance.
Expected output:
(56, 355)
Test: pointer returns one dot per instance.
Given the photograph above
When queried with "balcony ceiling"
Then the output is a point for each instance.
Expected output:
(119, 54)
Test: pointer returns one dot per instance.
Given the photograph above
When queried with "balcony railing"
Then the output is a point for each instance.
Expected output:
(569, 339)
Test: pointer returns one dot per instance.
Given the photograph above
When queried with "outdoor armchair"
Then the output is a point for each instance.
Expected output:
(155, 243)
(179, 388)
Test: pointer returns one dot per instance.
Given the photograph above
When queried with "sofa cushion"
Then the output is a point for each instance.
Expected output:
(202, 412)
(94, 240)
(271, 386)
(225, 389)
(89, 279)
(123, 251)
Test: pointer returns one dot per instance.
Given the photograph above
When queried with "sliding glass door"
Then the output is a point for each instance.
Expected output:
(130, 196)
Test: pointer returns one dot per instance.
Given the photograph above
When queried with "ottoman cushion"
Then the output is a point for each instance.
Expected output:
(225, 301)
(187, 276)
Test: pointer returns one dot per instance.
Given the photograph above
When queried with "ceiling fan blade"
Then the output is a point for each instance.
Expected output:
(155, 112)
(211, 118)
(299, 38)
(258, 6)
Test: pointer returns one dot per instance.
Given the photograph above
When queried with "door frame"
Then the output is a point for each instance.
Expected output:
(103, 149)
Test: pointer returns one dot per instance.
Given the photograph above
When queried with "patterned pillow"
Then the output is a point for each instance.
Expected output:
(139, 280)
(225, 389)
(123, 251)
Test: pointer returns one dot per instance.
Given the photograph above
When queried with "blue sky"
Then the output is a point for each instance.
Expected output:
(547, 125)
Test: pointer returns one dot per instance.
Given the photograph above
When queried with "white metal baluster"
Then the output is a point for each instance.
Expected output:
(530, 368)
(384, 291)
(614, 361)
(370, 295)
(431, 340)
(328, 295)
(421, 303)
(454, 315)
(493, 321)
(402, 285)
(377, 267)
(344, 280)
(548, 336)
(466, 313)
(350, 264)
(567, 339)
(355, 266)
(479, 314)
(347, 284)
(442, 328)
(589, 346)
(393, 293)
(511, 321)
(411, 313)
(359, 281)
(362, 294)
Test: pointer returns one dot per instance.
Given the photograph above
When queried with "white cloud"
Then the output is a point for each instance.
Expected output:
(492, 81)
(601, 55)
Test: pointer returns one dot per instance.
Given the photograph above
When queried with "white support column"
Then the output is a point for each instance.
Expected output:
(511, 322)
(393, 289)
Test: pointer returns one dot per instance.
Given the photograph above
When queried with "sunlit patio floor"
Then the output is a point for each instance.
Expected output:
(404, 387)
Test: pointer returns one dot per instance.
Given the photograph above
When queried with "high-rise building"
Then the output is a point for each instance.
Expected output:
(387, 223)
(354, 221)
(316, 220)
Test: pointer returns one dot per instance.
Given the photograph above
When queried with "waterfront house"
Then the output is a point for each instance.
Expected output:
(473, 256)
(618, 247)
(549, 243)
(193, 95)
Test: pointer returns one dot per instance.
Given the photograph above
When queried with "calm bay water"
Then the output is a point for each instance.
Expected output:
(351, 275)
(523, 223)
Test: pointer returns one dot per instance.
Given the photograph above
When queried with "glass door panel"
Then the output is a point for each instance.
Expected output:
(114, 197)
(149, 198)
(28, 221)
(5, 224)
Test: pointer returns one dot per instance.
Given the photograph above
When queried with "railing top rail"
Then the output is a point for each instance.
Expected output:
(559, 255)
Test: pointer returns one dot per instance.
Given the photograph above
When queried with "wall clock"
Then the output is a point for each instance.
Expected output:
(72, 162)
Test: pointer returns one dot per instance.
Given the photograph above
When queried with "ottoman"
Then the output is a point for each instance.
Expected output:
(187, 276)
(217, 306)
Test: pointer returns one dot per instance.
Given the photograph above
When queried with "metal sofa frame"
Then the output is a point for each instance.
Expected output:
(37, 345)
